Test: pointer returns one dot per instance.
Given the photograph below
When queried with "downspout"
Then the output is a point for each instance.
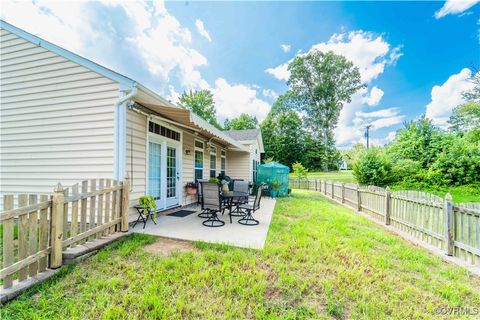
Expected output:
(120, 144)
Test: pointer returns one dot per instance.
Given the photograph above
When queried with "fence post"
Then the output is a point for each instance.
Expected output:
(56, 227)
(316, 183)
(324, 187)
(343, 192)
(125, 203)
(333, 190)
(359, 199)
(388, 197)
(449, 224)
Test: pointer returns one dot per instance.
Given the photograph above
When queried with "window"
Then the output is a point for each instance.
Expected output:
(255, 167)
(198, 160)
(163, 131)
(223, 163)
(213, 162)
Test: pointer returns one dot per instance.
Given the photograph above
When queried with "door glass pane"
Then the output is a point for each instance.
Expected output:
(171, 172)
(154, 172)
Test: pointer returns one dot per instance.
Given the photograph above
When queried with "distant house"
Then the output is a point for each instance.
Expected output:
(343, 165)
(65, 119)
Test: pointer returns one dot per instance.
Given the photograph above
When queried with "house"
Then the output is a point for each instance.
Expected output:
(64, 118)
(242, 165)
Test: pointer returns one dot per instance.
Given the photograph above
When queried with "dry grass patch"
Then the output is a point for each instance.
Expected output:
(166, 246)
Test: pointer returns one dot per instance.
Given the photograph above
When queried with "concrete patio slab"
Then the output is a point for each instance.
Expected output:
(235, 234)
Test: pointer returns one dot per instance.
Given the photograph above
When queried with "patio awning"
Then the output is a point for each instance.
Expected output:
(184, 117)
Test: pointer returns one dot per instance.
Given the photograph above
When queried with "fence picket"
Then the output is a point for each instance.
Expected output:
(83, 212)
(22, 236)
(32, 233)
(74, 223)
(91, 222)
(8, 236)
(107, 205)
(101, 186)
(43, 234)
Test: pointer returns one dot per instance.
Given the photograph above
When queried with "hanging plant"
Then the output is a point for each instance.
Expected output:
(148, 204)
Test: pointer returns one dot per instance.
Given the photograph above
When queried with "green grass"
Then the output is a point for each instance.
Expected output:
(340, 176)
(321, 260)
(459, 193)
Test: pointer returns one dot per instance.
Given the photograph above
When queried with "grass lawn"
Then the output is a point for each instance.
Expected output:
(340, 176)
(459, 193)
(320, 261)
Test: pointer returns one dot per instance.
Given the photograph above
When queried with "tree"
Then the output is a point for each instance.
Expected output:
(201, 103)
(244, 121)
(320, 85)
(299, 171)
(465, 117)
(283, 135)
(373, 168)
(420, 141)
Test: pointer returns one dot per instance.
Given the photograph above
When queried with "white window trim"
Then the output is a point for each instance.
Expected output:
(202, 150)
(223, 155)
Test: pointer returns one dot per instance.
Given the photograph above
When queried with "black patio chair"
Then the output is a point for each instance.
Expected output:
(212, 203)
(239, 186)
(248, 219)
(204, 213)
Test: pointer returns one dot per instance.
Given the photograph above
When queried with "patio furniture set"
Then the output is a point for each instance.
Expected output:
(214, 201)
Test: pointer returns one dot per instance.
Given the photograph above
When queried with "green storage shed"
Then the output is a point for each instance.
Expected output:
(269, 172)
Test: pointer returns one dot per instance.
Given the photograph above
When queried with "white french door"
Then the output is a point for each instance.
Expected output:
(164, 172)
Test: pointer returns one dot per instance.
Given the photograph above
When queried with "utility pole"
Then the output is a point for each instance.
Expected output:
(367, 134)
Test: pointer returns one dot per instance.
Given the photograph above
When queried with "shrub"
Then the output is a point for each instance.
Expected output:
(407, 170)
(373, 168)
(299, 170)
(459, 164)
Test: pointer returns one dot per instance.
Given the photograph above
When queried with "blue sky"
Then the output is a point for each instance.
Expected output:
(412, 55)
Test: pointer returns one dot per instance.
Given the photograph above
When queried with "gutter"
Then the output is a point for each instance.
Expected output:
(120, 136)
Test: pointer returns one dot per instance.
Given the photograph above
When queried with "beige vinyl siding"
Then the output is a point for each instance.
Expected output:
(137, 161)
(56, 119)
(188, 168)
(238, 165)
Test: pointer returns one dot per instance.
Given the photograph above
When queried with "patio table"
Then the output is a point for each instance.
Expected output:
(143, 216)
(229, 197)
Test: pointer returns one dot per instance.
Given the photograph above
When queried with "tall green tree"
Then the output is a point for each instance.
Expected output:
(244, 121)
(321, 83)
(201, 103)
(465, 117)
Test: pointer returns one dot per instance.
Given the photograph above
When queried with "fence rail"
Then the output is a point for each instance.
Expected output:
(455, 228)
(37, 228)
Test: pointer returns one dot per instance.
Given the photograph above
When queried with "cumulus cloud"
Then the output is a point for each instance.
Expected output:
(375, 96)
(447, 96)
(231, 100)
(201, 29)
(285, 47)
(455, 7)
(280, 72)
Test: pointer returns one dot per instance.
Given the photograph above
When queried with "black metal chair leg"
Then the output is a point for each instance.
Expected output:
(205, 214)
(213, 221)
(138, 219)
(248, 219)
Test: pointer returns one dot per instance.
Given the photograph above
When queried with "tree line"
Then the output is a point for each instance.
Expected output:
(300, 126)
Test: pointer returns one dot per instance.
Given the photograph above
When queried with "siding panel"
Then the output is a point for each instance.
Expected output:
(56, 119)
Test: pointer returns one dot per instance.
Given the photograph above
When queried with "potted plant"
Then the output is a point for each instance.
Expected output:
(275, 188)
(214, 180)
(149, 205)
(191, 188)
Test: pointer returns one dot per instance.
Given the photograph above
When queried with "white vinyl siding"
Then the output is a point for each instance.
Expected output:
(188, 166)
(238, 165)
(56, 119)
(136, 162)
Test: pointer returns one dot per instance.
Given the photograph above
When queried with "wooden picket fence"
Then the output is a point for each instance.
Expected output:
(452, 227)
(37, 228)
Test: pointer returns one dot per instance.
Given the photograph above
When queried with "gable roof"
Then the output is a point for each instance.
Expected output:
(243, 135)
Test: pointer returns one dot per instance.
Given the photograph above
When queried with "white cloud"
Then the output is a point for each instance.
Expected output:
(285, 47)
(269, 93)
(233, 100)
(447, 96)
(375, 96)
(390, 112)
(455, 7)
(368, 52)
(201, 29)
(281, 72)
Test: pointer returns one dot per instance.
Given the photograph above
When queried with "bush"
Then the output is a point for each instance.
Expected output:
(373, 168)
(299, 171)
(407, 170)
(457, 165)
